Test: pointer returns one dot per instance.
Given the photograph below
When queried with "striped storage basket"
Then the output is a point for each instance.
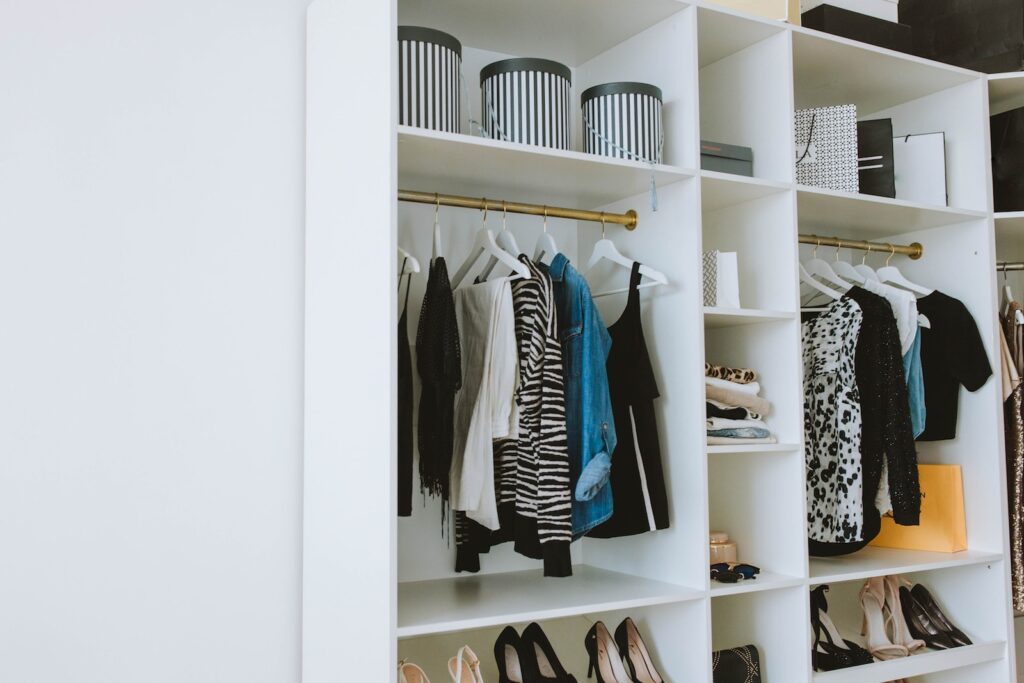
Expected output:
(623, 120)
(429, 62)
(526, 100)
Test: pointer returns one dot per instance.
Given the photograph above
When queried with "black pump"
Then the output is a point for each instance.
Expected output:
(922, 623)
(925, 599)
(510, 656)
(537, 647)
(634, 651)
(827, 654)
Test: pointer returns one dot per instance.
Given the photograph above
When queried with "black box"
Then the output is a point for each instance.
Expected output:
(874, 152)
(857, 26)
(983, 35)
(1007, 130)
(717, 156)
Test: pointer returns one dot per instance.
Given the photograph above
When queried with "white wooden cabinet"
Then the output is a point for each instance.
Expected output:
(377, 588)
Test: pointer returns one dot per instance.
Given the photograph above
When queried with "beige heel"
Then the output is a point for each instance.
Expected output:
(411, 673)
(872, 602)
(894, 616)
(464, 667)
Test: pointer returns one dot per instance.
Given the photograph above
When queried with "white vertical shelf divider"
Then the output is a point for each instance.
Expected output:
(387, 589)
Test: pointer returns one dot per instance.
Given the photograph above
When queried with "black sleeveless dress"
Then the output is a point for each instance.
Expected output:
(405, 445)
(637, 478)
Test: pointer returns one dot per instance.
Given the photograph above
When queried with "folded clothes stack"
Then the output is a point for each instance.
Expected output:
(734, 409)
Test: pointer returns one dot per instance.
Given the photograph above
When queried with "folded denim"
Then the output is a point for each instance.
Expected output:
(714, 423)
(719, 409)
(731, 441)
(738, 398)
(741, 433)
(751, 388)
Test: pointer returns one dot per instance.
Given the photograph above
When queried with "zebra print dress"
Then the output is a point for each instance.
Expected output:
(532, 472)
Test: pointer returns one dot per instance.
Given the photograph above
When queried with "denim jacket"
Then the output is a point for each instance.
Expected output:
(588, 405)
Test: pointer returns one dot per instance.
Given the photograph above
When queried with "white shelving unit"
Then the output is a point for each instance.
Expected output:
(385, 587)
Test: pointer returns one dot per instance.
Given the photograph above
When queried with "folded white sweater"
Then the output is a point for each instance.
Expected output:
(751, 388)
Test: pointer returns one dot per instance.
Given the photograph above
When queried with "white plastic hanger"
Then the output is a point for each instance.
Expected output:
(822, 269)
(806, 278)
(409, 262)
(506, 240)
(891, 275)
(546, 246)
(1008, 296)
(606, 250)
(436, 249)
(864, 269)
(846, 270)
(485, 243)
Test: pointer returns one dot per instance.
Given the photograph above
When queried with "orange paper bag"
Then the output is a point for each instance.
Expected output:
(943, 526)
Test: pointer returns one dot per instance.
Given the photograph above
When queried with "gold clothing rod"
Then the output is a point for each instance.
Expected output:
(1010, 265)
(914, 251)
(628, 219)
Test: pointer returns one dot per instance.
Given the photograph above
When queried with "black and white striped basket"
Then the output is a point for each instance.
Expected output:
(429, 63)
(527, 100)
(623, 120)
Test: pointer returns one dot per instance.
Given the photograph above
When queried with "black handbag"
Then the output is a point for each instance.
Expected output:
(737, 665)
(874, 153)
(1007, 131)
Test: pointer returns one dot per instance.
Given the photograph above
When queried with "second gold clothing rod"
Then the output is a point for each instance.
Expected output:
(1010, 265)
(914, 251)
(627, 220)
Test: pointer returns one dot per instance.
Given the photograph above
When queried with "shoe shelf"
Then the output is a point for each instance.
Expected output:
(482, 600)
(922, 664)
(476, 166)
(872, 561)
(733, 317)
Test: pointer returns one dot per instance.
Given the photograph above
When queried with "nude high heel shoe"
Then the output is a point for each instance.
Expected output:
(894, 615)
(411, 673)
(872, 602)
(464, 667)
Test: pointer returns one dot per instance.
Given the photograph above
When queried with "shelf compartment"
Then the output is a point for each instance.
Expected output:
(753, 448)
(916, 665)
(479, 166)
(829, 70)
(715, 317)
(873, 561)
(572, 31)
(724, 33)
(1005, 92)
(828, 212)
(721, 190)
(765, 581)
(471, 602)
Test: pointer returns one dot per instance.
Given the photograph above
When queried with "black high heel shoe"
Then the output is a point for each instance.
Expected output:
(605, 659)
(633, 649)
(834, 652)
(925, 599)
(922, 625)
(515, 665)
(535, 642)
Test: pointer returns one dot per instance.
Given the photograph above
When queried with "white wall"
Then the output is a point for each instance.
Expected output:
(151, 256)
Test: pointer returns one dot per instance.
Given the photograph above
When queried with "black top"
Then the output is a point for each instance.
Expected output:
(637, 478)
(951, 354)
(439, 361)
(404, 405)
(886, 432)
